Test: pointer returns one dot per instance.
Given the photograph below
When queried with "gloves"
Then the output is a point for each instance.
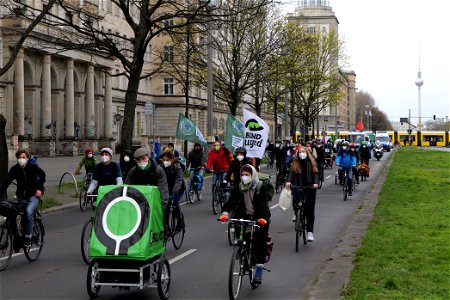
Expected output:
(262, 221)
(223, 217)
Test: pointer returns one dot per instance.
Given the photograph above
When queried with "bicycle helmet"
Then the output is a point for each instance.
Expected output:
(345, 143)
(363, 143)
(241, 150)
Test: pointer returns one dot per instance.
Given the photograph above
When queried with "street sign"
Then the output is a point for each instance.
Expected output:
(148, 109)
(404, 120)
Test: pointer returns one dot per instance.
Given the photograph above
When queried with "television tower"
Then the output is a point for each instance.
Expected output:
(419, 83)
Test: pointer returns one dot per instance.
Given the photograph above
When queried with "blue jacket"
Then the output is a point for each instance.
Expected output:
(345, 158)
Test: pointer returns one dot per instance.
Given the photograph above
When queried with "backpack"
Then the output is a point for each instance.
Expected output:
(265, 179)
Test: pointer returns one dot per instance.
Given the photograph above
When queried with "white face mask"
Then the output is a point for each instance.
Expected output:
(89, 155)
(22, 161)
(344, 147)
(126, 158)
(277, 145)
(143, 165)
(246, 179)
(167, 163)
(302, 155)
(240, 157)
(105, 158)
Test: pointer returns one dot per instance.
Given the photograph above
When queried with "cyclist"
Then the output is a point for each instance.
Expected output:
(345, 159)
(30, 186)
(173, 150)
(304, 173)
(175, 182)
(126, 162)
(280, 156)
(195, 161)
(234, 172)
(88, 161)
(219, 160)
(355, 168)
(270, 152)
(105, 173)
(247, 203)
(147, 172)
(364, 153)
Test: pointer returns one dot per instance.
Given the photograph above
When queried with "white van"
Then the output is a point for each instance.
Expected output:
(384, 139)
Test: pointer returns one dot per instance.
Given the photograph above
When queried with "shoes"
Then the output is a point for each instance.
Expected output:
(17, 243)
(350, 193)
(259, 268)
(200, 195)
(294, 217)
(310, 237)
(27, 242)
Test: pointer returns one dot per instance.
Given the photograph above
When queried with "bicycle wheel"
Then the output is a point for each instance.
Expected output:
(188, 194)
(37, 241)
(83, 199)
(344, 187)
(92, 277)
(163, 278)
(216, 204)
(178, 229)
(85, 239)
(236, 273)
(278, 183)
(303, 225)
(6, 246)
(298, 229)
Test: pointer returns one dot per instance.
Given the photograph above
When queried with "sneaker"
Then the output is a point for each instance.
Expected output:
(350, 193)
(259, 268)
(310, 237)
(27, 242)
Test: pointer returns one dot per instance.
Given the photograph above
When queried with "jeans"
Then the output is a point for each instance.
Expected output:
(32, 203)
(218, 176)
(349, 176)
(192, 172)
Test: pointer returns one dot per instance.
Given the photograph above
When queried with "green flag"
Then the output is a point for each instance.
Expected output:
(235, 133)
(186, 130)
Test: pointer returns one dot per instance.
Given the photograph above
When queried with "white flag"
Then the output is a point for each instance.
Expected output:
(256, 134)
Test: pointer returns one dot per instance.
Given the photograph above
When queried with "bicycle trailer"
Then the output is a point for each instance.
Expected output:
(127, 240)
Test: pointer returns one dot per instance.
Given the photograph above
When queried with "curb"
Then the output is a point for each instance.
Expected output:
(334, 275)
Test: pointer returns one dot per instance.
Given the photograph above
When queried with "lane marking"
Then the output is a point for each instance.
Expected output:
(273, 206)
(177, 258)
(19, 253)
(328, 177)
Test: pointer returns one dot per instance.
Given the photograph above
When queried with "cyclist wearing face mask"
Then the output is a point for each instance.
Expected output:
(249, 200)
(195, 160)
(88, 161)
(126, 162)
(30, 186)
(304, 173)
(105, 173)
(364, 153)
(234, 172)
(346, 159)
(147, 172)
(219, 160)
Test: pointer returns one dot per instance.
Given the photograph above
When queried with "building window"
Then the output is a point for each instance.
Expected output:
(311, 30)
(168, 53)
(325, 119)
(148, 53)
(168, 23)
(168, 86)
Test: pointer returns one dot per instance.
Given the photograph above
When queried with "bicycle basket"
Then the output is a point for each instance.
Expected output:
(7, 209)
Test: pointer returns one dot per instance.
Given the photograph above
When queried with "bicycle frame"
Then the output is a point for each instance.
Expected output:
(244, 241)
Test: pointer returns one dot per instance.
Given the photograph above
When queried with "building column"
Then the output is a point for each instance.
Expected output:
(108, 107)
(19, 96)
(46, 100)
(90, 103)
(69, 106)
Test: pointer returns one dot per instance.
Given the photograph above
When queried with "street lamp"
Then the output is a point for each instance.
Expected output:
(212, 4)
(368, 113)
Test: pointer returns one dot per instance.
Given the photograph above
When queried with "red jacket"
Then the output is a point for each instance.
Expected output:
(218, 160)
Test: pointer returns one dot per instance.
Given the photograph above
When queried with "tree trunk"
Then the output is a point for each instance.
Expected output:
(3, 153)
(130, 107)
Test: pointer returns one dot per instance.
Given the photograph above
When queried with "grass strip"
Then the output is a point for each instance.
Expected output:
(405, 253)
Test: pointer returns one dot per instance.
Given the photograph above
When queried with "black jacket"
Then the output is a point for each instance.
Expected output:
(236, 204)
(195, 159)
(304, 179)
(125, 167)
(29, 179)
(174, 175)
(235, 169)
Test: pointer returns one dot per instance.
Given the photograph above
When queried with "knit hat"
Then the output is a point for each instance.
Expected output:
(247, 168)
(141, 152)
(107, 150)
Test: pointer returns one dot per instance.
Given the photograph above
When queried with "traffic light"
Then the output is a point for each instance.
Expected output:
(434, 117)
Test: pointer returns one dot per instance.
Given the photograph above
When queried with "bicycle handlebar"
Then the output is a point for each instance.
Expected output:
(242, 221)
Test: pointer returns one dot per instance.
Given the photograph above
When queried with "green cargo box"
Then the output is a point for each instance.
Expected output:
(128, 223)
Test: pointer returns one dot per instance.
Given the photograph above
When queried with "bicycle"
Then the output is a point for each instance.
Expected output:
(280, 178)
(299, 204)
(84, 197)
(345, 183)
(321, 174)
(175, 228)
(11, 232)
(271, 159)
(243, 259)
(86, 236)
(218, 194)
(195, 184)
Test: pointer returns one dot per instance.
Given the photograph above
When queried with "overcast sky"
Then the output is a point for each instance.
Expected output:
(382, 41)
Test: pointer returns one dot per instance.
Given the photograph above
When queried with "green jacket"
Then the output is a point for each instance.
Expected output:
(89, 164)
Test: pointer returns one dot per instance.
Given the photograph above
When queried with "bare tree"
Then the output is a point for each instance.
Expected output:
(378, 120)
(145, 19)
